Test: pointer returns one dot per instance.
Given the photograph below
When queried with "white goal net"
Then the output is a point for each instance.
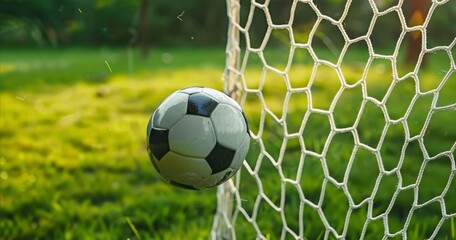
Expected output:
(352, 113)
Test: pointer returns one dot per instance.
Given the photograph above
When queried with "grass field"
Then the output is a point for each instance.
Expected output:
(73, 158)
(73, 163)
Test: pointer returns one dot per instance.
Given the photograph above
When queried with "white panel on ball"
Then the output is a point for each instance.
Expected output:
(221, 97)
(170, 111)
(185, 170)
(229, 126)
(149, 128)
(192, 136)
(216, 179)
(241, 152)
(191, 90)
(217, 95)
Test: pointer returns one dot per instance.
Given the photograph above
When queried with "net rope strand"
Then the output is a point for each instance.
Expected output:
(230, 202)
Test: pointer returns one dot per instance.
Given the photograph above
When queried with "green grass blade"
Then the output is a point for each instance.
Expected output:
(133, 228)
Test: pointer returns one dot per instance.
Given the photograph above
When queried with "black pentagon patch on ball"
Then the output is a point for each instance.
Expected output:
(158, 142)
(220, 158)
(201, 104)
(181, 185)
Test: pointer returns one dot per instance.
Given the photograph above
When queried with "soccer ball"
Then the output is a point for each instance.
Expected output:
(197, 138)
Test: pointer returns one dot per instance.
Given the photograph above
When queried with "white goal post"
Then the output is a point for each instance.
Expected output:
(352, 138)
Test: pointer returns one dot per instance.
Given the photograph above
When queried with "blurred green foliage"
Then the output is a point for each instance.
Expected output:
(115, 22)
(110, 22)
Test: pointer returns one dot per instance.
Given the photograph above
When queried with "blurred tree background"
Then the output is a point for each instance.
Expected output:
(177, 23)
(110, 22)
